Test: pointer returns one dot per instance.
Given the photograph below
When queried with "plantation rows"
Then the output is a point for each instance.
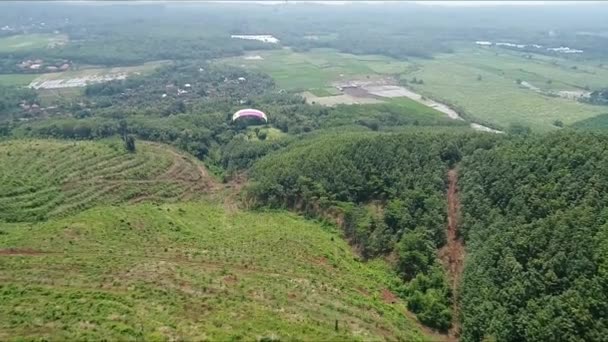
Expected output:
(101, 274)
(41, 179)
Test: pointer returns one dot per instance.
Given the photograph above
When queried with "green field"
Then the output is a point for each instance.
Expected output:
(479, 82)
(497, 98)
(318, 68)
(191, 272)
(329, 91)
(25, 42)
(16, 79)
(56, 178)
(393, 114)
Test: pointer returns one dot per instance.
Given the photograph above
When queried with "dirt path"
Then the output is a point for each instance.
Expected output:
(451, 113)
(453, 253)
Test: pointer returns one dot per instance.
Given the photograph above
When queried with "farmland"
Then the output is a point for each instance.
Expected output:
(485, 87)
(16, 79)
(478, 82)
(57, 178)
(319, 68)
(28, 42)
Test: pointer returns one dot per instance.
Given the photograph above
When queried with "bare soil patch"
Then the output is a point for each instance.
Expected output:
(388, 296)
(21, 251)
(338, 99)
(452, 254)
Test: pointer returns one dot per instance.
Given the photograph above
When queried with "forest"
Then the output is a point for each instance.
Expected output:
(598, 97)
(533, 222)
(108, 35)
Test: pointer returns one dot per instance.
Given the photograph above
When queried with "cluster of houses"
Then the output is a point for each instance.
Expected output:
(264, 38)
(39, 64)
(561, 49)
(187, 87)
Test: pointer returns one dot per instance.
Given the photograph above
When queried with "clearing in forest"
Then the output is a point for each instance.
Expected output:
(192, 272)
(59, 177)
(82, 77)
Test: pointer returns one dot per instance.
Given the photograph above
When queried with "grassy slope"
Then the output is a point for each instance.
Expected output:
(190, 271)
(46, 178)
(497, 98)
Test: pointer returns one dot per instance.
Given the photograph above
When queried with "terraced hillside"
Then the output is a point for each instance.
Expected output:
(191, 272)
(40, 179)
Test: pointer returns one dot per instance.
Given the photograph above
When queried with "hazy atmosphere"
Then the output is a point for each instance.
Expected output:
(293, 170)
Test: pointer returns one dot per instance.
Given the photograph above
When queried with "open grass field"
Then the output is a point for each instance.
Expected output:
(318, 68)
(26, 42)
(84, 75)
(497, 98)
(395, 111)
(41, 179)
(480, 82)
(16, 79)
(191, 272)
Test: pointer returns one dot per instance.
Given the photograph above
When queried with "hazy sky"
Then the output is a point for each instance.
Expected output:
(504, 3)
(432, 3)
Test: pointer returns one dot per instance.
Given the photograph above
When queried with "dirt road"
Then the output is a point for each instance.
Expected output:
(453, 253)
(451, 113)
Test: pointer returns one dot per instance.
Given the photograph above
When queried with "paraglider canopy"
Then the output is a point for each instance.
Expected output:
(249, 113)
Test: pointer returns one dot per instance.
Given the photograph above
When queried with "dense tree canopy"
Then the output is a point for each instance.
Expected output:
(535, 223)
(390, 191)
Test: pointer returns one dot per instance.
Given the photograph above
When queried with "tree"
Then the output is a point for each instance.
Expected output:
(129, 143)
(558, 123)
(519, 129)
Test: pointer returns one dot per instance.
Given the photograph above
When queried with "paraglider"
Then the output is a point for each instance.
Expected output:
(252, 113)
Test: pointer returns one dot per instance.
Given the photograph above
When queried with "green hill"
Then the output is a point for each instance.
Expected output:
(192, 271)
(49, 178)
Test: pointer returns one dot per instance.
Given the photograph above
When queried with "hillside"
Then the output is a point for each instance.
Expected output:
(191, 272)
(420, 173)
(60, 177)
(535, 224)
